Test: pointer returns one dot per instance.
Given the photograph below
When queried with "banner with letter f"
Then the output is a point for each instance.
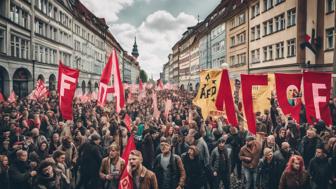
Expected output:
(66, 87)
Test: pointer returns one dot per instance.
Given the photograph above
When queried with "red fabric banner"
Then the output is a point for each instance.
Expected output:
(140, 86)
(104, 82)
(317, 88)
(1, 97)
(287, 87)
(247, 82)
(225, 97)
(126, 180)
(156, 112)
(127, 120)
(168, 107)
(40, 91)
(117, 83)
(12, 97)
(66, 87)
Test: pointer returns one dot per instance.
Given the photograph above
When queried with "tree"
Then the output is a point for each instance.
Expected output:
(143, 76)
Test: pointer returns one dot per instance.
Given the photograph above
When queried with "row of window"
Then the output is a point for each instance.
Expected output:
(238, 20)
(19, 47)
(218, 62)
(19, 16)
(239, 59)
(219, 46)
(47, 8)
(45, 54)
(269, 53)
(217, 31)
(2, 40)
(237, 40)
(51, 32)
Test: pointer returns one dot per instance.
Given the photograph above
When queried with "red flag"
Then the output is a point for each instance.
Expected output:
(66, 87)
(140, 86)
(156, 112)
(40, 91)
(247, 81)
(126, 180)
(128, 121)
(117, 83)
(285, 84)
(12, 97)
(168, 106)
(225, 97)
(104, 81)
(159, 84)
(317, 88)
(1, 97)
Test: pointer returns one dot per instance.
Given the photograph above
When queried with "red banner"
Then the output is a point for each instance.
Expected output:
(127, 120)
(104, 81)
(288, 87)
(126, 180)
(225, 97)
(317, 88)
(66, 87)
(247, 82)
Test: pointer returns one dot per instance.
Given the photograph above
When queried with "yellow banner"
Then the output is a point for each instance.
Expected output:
(261, 95)
(207, 93)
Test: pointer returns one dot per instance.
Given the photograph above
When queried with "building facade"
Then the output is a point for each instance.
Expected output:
(265, 36)
(36, 34)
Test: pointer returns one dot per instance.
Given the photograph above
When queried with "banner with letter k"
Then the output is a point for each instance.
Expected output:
(66, 87)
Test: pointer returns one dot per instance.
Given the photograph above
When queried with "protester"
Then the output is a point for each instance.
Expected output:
(48, 177)
(168, 167)
(4, 176)
(112, 167)
(268, 167)
(319, 169)
(249, 155)
(142, 177)
(220, 164)
(20, 173)
(295, 176)
(194, 168)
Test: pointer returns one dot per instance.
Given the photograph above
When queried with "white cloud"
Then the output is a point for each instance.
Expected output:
(155, 38)
(107, 9)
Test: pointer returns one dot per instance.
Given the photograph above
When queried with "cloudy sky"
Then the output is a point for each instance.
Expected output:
(157, 24)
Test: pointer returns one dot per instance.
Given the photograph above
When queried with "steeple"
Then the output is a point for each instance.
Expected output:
(135, 52)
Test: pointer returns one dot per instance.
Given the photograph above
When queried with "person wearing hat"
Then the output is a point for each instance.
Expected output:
(220, 164)
(249, 155)
(168, 167)
(268, 167)
(194, 169)
(89, 162)
(48, 177)
(319, 169)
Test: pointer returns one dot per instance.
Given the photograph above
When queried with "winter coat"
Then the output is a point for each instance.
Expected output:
(253, 153)
(4, 177)
(294, 180)
(89, 159)
(147, 179)
(265, 174)
(44, 182)
(320, 172)
(195, 172)
(308, 148)
(220, 164)
(176, 169)
(105, 169)
(147, 149)
(19, 175)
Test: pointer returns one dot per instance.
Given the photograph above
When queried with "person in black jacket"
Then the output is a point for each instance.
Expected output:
(220, 164)
(48, 177)
(19, 173)
(194, 169)
(308, 145)
(168, 167)
(4, 176)
(268, 167)
(319, 169)
(236, 141)
(89, 163)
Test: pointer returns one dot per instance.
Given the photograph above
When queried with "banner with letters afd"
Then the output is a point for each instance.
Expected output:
(216, 97)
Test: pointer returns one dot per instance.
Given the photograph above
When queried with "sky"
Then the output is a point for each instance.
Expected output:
(157, 24)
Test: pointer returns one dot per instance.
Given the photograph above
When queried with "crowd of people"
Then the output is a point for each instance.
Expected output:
(181, 149)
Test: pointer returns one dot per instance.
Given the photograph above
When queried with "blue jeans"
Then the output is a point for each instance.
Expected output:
(251, 177)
